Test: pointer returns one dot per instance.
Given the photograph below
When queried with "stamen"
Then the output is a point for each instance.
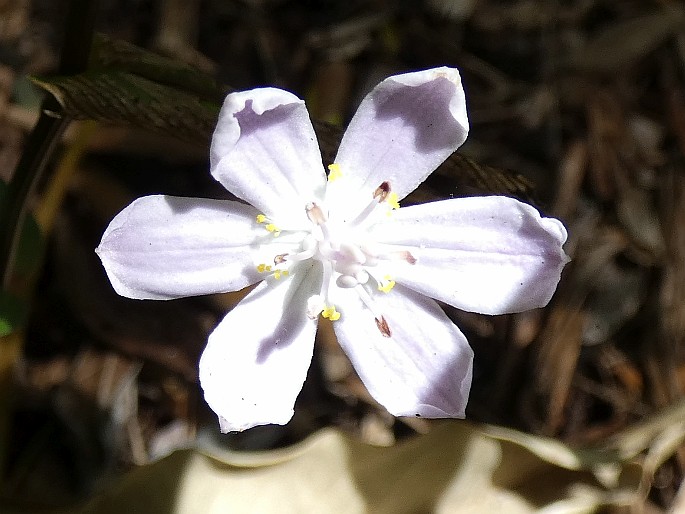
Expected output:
(326, 279)
(277, 273)
(393, 200)
(386, 284)
(262, 218)
(273, 229)
(330, 313)
(383, 326)
(368, 301)
(380, 251)
(380, 195)
(365, 213)
(334, 172)
(382, 191)
(407, 256)
(315, 214)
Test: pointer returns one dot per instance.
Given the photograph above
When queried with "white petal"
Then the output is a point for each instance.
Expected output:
(256, 360)
(403, 130)
(491, 255)
(423, 368)
(264, 150)
(163, 247)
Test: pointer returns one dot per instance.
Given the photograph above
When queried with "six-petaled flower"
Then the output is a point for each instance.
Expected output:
(336, 245)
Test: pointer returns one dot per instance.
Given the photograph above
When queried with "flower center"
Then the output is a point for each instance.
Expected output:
(346, 255)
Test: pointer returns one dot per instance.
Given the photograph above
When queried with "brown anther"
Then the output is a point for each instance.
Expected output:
(315, 214)
(382, 191)
(403, 255)
(409, 258)
(280, 258)
(383, 326)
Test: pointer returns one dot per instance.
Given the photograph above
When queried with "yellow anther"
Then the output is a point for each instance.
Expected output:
(393, 200)
(277, 273)
(331, 313)
(261, 218)
(281, 273)
(386, 284)
(334, 172)
(273, 229)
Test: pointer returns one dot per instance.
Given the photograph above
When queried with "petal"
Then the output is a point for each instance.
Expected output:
(403, 130)
(163, 247)
(422, 369)
(264, 150)
(492, 255)
(256, 360)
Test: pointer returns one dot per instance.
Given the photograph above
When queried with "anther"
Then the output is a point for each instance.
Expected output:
(315, 214)
(280, 258)
(386, 284)
(407, 256)
(382, 191)
(383, 326)
(331, 313)
(380, 194)
(393, 201)
(334, 172)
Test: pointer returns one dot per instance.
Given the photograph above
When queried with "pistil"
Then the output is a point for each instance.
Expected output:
(345, 256)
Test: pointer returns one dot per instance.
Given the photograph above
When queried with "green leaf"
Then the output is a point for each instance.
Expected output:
(121, 97)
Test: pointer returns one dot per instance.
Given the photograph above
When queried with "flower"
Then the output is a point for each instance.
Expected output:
(337, 246)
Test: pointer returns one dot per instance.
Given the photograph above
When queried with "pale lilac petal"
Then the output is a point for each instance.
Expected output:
(163, 247)
(422, 369)
(403, 130)
(264, 150)
(492, 255)
(256, 360)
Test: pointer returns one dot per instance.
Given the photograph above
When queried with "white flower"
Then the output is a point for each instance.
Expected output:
(338, 247)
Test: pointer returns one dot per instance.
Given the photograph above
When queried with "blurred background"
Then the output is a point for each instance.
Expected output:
(577, 106)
